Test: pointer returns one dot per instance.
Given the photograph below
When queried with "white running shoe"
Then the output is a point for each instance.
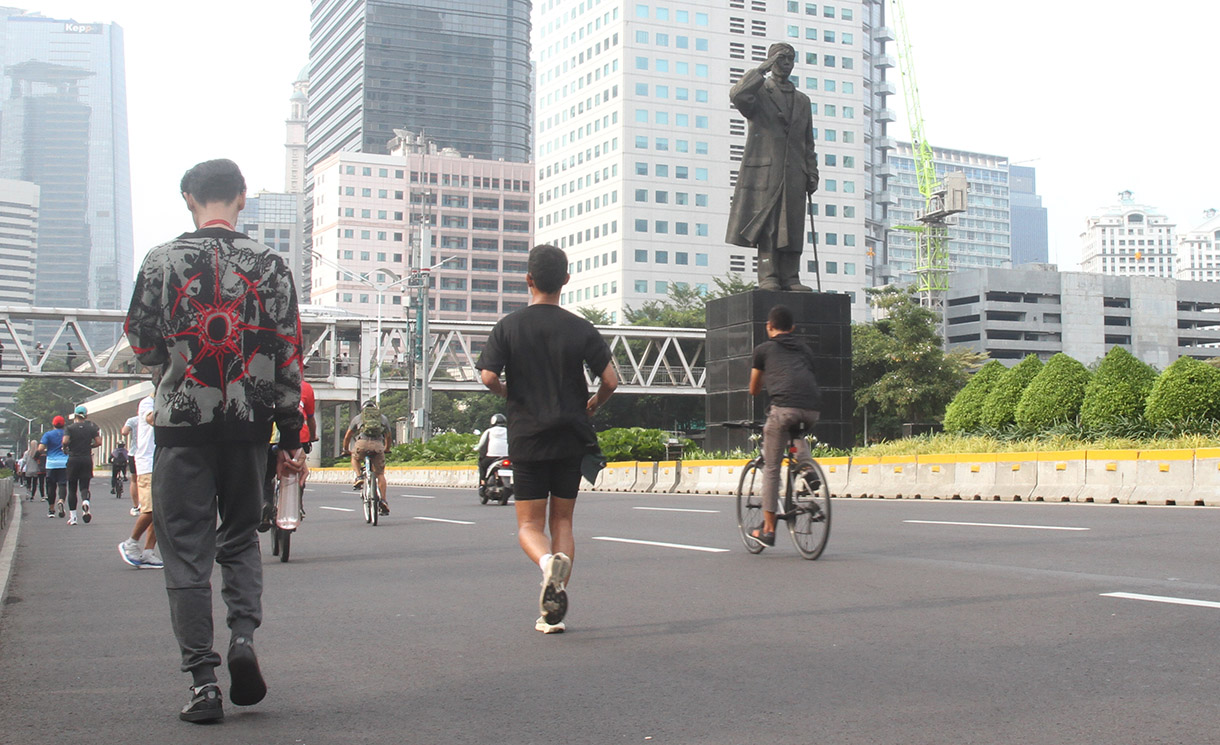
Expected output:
(135, 511)
(149, 560)
(549, 628)
(553, 602)
(129, 550)
(85, 514)
(71, 520)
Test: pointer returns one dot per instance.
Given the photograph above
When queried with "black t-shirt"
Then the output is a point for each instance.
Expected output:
(543, 350)
(81, 434)
(787, 365)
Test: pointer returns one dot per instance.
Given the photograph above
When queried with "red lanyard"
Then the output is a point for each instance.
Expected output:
(217, 221)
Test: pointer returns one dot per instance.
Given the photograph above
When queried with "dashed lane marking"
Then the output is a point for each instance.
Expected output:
(705, 549)
(995, 525)
(675, 509)
(1161, 599)
(443, 520)
(337, 509)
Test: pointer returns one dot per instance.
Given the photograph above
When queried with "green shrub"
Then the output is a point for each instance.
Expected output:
(632, 443)
(443, 448)
(965, 411)
(1118, 390)
(1001, 405)
(1187, 390)
(1054, 395)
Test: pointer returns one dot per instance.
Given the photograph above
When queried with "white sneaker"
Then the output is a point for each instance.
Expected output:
(129, 550)
(549, 628)
(72, 519)
(553, 602)
(84, 508)
(135, 511)
(149, 560)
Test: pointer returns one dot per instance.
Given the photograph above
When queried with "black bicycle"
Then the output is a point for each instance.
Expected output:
(804, 503)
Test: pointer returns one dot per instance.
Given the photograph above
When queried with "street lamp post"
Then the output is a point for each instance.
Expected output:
(29, 430)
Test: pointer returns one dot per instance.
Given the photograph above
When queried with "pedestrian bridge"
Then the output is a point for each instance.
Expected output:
(349, 357)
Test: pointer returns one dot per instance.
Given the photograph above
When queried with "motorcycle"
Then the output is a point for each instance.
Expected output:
(498, 486)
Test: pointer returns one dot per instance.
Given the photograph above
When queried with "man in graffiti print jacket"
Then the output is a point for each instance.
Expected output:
(214, 315)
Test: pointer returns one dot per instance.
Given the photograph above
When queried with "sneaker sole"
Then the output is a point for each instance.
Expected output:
(554, 599)
(247, 687)
(546, 628)
(146, 565)
(202, 717)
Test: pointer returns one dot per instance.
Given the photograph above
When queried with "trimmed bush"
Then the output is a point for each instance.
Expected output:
(1118, 390)
(1187, 390)
(632, 443)
(1054, 395)
(1000, 408)
(443, 448)
(965, 411)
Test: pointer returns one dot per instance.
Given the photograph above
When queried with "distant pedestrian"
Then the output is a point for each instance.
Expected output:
(35, 471)
(215, 314)
(80, 438)
(129, 430)
(544, 350)
(141, 486)
(71, 356)
(52, 446)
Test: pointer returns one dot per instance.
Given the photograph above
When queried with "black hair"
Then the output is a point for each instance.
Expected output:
(548, 265)
(214, 181)
(780, 318)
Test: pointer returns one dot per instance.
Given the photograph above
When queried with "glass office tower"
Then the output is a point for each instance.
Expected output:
(63, 126)
(456, 70)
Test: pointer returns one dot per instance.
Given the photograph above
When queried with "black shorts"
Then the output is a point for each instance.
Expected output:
(539, 479)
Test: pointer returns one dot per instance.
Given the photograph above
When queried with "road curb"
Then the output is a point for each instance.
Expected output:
(8, 550)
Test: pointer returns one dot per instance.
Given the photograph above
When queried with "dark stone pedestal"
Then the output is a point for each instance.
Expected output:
(736, 324)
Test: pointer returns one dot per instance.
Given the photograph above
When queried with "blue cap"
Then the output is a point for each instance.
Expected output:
(81, 411)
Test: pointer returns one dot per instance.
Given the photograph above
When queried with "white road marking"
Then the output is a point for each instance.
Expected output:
(675, 509)
(415, 496)
(336, 509)
(995, 525)
(662, 545)
(1161, 599)
(443, 520)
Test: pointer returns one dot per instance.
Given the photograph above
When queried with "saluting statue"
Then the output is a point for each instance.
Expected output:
(779, 168)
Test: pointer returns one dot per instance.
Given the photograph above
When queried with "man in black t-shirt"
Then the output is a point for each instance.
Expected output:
(80, 438)
(784, 366)
(543, 350)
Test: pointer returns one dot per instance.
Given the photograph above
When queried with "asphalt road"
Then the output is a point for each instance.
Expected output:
(924, 622)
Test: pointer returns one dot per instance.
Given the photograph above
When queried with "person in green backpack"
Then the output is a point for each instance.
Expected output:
(369, 433)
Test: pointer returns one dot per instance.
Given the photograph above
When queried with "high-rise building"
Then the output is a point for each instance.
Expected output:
(294, 142)
(981, 237)
(369, 210)
(1030, 243)
(456, 70)
(18, 242)
(276, 220)
(637, 146)
(63, 126)
(1199, 250)
(1129, 238)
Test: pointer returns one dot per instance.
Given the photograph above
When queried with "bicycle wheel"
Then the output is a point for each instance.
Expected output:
(810, 522)
(749, 505)
(283, 539)
(374, 497)
(367, 501)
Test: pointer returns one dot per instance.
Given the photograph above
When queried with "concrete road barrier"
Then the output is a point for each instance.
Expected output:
(618, 476)
(669, 473)
(646, 477)
(974, 476)
(1205, 487)
(1109, 476)
(896, 476)
(1060, 476)
(935, 476)
(1164, 477)
(836, 470)
(1016, 475)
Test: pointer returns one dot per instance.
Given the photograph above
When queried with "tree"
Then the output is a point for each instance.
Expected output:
(1117, 391)
(1000, 408)
(464, 412)
(965, 411)
(1187, 390)
(40, 399)
(1054, 395)
(684, 307)
(595, 316)
(900, 372)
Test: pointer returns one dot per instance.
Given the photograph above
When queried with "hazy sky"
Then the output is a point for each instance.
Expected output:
(1098, 95)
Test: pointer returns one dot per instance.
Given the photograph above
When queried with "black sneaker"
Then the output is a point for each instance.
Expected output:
(383, 507)
(204, 706)
(764, 538)
(246, 681)
(268, 517)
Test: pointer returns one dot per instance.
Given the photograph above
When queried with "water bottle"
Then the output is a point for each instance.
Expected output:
(288, 505)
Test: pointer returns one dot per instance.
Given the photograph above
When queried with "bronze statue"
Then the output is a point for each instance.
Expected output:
(779, 168)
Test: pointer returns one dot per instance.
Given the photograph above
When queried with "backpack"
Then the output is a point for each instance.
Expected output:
(371, 426)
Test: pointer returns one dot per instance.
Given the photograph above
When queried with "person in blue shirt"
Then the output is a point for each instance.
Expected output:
(52, 444)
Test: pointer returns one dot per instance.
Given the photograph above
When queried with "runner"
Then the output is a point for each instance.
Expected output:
(79, 440)
(544, 349)
(52, 445)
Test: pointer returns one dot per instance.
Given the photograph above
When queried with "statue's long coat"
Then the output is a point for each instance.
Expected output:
(779, 166)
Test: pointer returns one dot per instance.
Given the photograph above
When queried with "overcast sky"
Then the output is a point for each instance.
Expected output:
(1098, 95)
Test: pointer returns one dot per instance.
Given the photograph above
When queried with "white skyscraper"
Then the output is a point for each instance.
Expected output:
(637, 144)
(1129, 239)
(1199, 250)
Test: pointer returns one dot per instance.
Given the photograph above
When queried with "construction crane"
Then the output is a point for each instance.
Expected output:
(940, 201)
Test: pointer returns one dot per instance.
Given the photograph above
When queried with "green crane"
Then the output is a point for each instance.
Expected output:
(932, 232)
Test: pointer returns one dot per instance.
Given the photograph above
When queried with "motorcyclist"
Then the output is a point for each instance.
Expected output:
(493, 445)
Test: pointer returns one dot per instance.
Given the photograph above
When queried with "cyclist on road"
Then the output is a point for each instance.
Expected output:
(308, 434)
(493, 445)
(371, 435)
(118, 466)
(784, 366)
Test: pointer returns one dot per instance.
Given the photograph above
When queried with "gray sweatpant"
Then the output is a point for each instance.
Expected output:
(776, 435)
(191, 486)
